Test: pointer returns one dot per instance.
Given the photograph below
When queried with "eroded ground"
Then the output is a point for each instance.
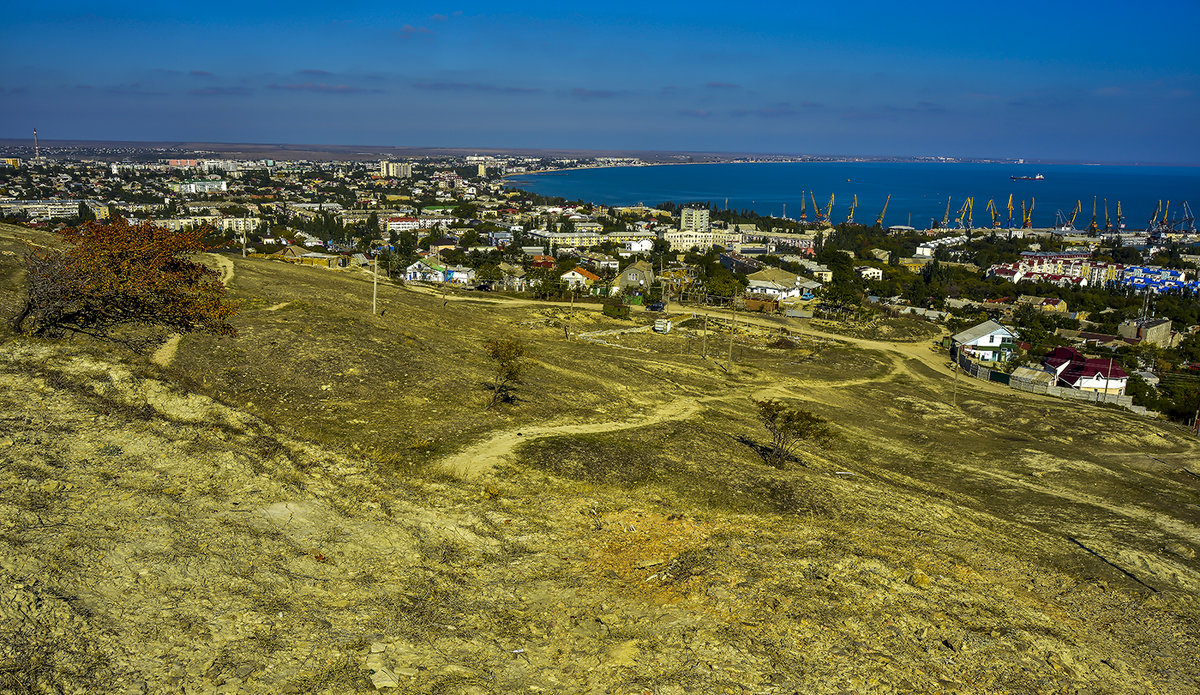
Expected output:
(322, 505)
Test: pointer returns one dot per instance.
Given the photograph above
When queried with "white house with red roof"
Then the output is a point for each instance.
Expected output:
(579, 277)
(1076, 371)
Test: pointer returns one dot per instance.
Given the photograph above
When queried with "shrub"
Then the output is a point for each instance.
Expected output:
(790, 428)
(115, 274)
(508, 364)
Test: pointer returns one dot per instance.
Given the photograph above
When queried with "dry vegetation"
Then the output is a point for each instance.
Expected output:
(273, 513)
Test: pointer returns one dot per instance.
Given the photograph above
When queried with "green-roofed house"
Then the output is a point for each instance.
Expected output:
(425, 271)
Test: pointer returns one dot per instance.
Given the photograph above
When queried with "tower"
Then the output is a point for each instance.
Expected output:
(36, 154)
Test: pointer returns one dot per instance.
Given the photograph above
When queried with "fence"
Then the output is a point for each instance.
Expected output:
(985, 374)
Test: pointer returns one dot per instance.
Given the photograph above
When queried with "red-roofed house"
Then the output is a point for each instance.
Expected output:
(579, 277)
(1086, 374)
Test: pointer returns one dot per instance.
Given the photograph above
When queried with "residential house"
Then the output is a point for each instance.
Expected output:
(1076, 371)
(636, 276)
(818, 271)
(579, 278)
(773, 282)
(988, 342)
(443, 244)
(426, 271)
(460, 274)
(514, 277)
(866, 272)
(600, 261)
(914, 265)
(1047, 304)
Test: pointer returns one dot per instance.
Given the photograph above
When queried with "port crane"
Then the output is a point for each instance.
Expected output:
(1152, 225)
(816, 210)
(853, 204)
(1107, 222)
(879, 220)
(1188, 224)
(829, 210)
(991, 208)
(1120, 217)
(1063, 223)
(1092, 227)
(946, 217)
(963, 220)
(803, 214)
(1027, 217)
(1010, 211)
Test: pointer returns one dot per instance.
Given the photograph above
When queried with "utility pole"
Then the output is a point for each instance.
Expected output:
(706, 336)
(732, 329)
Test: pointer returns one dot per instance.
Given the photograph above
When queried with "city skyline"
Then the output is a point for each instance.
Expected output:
(1069, 82)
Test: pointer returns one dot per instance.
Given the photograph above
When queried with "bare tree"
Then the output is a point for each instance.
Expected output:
(790, 429)
(508, 365)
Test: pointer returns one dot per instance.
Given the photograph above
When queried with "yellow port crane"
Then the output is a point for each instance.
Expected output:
(1154, 218)
(1166, 211)
(1075, 212)
(879, 220)
(970, 213)
(853, 204)
(816, 210)
(1010, 211)
(991, 208)
(946, 217)
(1027, 217)
(961, 220)
(829, 210)
(1092, 227)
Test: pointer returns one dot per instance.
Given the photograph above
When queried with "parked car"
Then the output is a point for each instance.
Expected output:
(656, 306)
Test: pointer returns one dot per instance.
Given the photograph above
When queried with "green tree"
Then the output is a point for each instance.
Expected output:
(790, 428)
(507, 356)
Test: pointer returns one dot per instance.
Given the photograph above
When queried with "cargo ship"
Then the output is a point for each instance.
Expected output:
(1039, 177)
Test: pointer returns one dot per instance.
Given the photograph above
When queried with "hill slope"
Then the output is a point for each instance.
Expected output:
(322, 505)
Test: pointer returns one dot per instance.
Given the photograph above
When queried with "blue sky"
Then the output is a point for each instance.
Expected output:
(1097, 81)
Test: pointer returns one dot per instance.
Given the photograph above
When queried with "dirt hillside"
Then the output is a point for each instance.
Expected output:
(322, 504)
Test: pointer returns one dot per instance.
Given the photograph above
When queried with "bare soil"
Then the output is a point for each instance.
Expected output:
(322, 504)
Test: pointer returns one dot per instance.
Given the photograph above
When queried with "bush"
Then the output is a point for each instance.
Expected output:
(790, 428)
(508, 364)
(115, 274)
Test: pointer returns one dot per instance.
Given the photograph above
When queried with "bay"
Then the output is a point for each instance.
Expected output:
(919, 191)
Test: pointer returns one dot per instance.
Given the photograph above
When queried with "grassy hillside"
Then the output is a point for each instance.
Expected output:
(322, 504)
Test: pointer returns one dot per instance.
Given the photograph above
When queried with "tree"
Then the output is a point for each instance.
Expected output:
(508, 364)
(117, 274)
(790, 428)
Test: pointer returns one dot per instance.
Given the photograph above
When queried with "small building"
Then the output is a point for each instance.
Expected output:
(866, 272)
(579, 278)
(988, 342)
(1076, 371)
(637, 276)
(1153, 331)
(774, 283)
(425, 271)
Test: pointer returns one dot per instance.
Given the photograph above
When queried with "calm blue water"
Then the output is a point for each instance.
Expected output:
(917, 189)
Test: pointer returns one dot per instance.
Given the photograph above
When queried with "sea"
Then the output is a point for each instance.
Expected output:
(920, 192)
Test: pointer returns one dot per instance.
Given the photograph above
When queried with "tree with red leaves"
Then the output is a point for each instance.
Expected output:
(115, 274)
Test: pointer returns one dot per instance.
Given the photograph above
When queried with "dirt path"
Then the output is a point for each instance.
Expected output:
(166, 352)
(224, 266)
(480, 458)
